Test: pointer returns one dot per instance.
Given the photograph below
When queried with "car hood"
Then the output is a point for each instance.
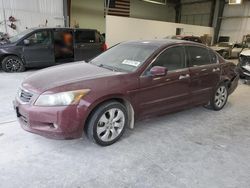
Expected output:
(6, 44)
(245, 53)
(217, 48)
(61, 75)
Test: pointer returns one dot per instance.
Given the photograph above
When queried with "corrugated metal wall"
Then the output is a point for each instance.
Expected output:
(30, 13)
(234, 24)
(195, 13)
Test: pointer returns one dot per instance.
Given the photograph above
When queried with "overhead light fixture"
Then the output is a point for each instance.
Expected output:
(159, 2)
(235, 2)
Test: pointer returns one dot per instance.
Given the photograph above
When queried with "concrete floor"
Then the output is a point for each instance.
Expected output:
(193, 148)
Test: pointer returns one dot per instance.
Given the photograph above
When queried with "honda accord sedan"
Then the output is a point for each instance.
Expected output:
(128, 82)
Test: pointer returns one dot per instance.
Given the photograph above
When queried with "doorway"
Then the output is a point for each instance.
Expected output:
(63, 46)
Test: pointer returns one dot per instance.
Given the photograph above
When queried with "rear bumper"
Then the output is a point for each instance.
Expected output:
(234, 84)
(64, 122)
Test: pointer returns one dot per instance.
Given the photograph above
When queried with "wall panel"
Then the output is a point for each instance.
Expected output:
(31, 13)
(236, 27)
(120, 29)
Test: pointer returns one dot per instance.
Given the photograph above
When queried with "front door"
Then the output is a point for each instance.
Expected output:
(204, 72)
(165, 93)
(38, 49)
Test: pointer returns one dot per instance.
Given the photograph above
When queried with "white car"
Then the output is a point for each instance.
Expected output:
(244, 64)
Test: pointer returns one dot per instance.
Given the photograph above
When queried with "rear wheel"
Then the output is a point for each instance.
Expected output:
(107, 123)
(219, 98)
(12, 64)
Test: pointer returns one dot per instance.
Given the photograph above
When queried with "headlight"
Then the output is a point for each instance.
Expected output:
(61, 99)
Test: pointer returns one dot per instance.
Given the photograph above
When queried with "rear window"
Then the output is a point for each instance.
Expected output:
(82, 36)
(198, 56)
(213, 57)
(99, 37)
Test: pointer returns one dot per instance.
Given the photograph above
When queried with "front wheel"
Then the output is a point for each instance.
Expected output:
(107, 123)
(219, 98)
(12, 64)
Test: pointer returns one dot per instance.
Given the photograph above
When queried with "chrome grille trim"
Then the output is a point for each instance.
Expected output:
(25, 96)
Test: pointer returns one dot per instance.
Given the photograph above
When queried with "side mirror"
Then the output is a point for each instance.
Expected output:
(158, 71)
(26, 42)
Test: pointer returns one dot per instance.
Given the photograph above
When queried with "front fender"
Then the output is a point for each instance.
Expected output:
(119, 97)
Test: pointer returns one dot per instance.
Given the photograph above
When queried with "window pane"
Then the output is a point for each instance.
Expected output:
(213, 56)
(85, 36)
(125, 57)
(40, 37)
(198, 56)
(172, 58)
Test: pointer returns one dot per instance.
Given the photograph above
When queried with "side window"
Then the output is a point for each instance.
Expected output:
(82, 36)
(198, 56)
(172, 58)
(213, 57)
(40, 38)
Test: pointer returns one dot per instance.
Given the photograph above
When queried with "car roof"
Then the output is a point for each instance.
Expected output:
(161, 42)
(38, 28)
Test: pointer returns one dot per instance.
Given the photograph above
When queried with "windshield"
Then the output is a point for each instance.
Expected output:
(126, 57)
(20, 35)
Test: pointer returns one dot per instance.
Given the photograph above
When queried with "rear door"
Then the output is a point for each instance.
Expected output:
(88, 44)
(165, 93)
(39, 51)
(204, 71)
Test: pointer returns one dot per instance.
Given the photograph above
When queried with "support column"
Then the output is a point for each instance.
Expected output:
(219, 19)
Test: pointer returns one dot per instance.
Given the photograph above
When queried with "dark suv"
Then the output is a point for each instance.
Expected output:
(42, 47)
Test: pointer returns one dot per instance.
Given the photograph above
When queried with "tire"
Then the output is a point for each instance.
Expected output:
(219, 98)
(12, 64)
(107, 121)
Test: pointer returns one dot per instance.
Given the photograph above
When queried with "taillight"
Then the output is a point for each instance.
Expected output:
(104, 47)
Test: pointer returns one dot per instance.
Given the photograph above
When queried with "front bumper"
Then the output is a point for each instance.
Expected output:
(64, 122)
(244, 73)
(234, 84)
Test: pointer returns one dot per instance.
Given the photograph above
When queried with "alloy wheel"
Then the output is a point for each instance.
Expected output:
(13, 65)
(220, 96)
(110, 125)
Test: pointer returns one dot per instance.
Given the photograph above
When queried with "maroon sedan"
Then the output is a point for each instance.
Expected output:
(130, 81)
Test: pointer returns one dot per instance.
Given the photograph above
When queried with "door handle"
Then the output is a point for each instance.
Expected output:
(216, 69)
(184, 76)
(203, 70)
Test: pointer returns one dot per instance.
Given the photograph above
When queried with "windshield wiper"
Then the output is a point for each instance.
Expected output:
(107, 67)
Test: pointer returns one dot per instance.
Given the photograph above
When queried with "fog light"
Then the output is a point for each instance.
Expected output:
(55, 125)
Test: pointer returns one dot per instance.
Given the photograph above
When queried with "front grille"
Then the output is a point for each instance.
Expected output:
(25, 96)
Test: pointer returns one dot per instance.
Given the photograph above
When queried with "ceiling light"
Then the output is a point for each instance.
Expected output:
(159, 2)
(234, 2)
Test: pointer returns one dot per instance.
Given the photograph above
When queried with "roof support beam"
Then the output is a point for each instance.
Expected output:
(218, 21)
(212, 13)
